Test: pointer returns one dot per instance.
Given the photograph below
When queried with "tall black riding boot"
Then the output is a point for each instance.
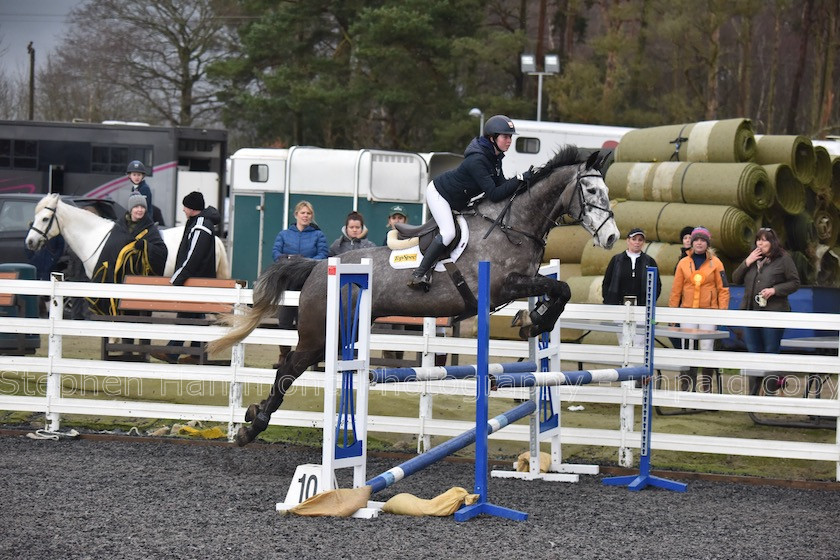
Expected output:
(421, 278)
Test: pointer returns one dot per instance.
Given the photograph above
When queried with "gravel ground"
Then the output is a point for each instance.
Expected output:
(90, 498)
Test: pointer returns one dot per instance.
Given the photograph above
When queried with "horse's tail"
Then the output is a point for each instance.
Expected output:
(223, 267)
(268, 291)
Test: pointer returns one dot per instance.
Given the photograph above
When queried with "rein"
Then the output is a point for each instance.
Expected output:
(583, 204)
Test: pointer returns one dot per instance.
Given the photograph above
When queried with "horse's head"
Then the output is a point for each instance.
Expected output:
(585, 196)
(45, 223)
(590, 204)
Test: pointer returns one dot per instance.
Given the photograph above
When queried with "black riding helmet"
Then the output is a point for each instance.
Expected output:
(498, 124)
(136, 166)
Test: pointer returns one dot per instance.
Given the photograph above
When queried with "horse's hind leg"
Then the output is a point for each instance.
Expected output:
(260, 414)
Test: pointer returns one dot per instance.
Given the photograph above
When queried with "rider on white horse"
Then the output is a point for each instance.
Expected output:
(480, 172)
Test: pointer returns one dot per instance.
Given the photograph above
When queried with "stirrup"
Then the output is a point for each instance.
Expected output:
(421, 282)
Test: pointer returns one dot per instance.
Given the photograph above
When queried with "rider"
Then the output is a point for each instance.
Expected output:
(136, 172)
(479, 173)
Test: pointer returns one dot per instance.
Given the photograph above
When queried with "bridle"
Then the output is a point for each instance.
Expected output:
(53, 220)
(585, 205)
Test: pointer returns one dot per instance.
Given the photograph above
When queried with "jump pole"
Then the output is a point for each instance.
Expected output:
(545, 422)
(644, 478)
(345, 425)
(482, 384)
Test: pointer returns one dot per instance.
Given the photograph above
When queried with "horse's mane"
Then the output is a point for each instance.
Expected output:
(46, 200)
(567, 155)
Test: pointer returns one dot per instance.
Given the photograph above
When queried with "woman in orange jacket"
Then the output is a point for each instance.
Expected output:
(699, 283)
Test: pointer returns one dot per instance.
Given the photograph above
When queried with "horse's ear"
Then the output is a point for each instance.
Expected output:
(593, 160)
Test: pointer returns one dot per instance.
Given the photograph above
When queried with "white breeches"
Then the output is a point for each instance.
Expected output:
(441, 212)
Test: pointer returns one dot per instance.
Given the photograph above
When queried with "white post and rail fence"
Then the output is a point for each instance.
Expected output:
(39, 384)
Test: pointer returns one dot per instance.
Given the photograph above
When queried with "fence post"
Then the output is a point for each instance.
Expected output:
(237, 361)
(54, 350)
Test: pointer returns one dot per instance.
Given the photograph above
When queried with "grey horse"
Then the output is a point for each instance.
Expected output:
(509, 234)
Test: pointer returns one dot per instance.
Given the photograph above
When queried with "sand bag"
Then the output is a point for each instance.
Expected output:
(440, 506)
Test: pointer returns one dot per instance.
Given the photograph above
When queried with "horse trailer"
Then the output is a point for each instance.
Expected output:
(536, 142)
(267, 183)
(90, 160)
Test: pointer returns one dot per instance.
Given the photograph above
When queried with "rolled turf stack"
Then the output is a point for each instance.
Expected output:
(693, 183)
(721, 175)
(726, 141)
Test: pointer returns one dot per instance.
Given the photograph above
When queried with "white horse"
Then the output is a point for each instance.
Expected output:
(86, 233)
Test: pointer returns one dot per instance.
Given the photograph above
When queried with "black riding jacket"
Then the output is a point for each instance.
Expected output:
(480, 172)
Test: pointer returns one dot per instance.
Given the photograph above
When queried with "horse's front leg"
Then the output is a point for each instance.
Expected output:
(545, 315)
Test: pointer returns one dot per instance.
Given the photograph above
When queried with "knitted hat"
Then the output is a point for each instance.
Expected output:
(637, 231)
(685, 231)
(701, 233)
(194, 201)
(397, 209)
(137, 199)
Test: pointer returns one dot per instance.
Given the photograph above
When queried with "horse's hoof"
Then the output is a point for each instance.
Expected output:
(252, 412)
(243, 437)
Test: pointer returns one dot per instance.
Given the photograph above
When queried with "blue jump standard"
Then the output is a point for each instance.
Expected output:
(482, 389)
(644, 478)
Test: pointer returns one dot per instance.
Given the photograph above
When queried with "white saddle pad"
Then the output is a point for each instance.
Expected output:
(410, 257)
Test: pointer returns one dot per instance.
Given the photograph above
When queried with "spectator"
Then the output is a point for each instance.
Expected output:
(150, 252)
(685, 238)
(136, 172)
(196, 259)
(397, 215)
(353, 235)
(699, 283)
(626, 276)
(769, 276)
(147, 252)
(302, 239)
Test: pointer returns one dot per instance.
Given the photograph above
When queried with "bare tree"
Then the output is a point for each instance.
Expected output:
(150, 54)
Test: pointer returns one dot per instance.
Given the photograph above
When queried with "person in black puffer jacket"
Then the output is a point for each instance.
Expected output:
(196, 258)
(479, 173)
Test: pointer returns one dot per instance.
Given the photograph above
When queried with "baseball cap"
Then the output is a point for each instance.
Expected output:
(637, 231)
(397, 209)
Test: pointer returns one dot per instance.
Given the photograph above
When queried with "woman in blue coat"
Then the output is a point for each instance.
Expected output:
(302, 239)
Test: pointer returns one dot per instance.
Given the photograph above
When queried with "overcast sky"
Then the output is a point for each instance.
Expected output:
(41, 21)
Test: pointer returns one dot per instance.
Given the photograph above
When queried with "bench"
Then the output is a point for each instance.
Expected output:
(392, 323)
(12, 306)
(163, 312)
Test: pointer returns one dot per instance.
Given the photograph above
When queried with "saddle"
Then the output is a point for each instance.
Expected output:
(407, 243)
(406, 235)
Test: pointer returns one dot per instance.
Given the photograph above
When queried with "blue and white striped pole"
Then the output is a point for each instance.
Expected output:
(447, 448)
(440, 373)
(581, 377)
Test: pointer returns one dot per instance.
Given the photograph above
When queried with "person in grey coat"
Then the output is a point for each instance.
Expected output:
(769, 276)
(353, 235)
